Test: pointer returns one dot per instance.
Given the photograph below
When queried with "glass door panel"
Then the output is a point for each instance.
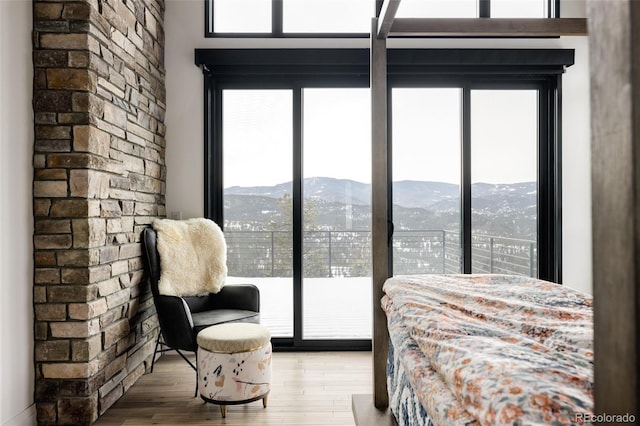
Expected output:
(257, 157)
(504, 144)
(336, 286)
(426, 142)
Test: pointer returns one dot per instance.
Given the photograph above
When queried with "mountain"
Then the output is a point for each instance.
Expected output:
(438, 196)
(420, 194)
(321, 188)
(498, 209)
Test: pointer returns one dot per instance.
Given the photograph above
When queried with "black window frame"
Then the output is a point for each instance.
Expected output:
(484, 11)
(300, 68)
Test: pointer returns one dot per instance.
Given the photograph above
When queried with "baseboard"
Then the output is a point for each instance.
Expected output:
(26, 418)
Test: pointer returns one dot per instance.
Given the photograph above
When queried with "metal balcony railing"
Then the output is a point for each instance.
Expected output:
(348, 253)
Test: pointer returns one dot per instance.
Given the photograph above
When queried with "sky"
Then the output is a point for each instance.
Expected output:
(426, 123)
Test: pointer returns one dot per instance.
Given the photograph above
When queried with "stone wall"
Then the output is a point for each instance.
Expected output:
(99, 178)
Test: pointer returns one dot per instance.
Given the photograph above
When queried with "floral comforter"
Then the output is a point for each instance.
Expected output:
(494, 349)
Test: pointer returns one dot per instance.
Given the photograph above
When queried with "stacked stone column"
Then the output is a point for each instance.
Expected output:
(99, 178)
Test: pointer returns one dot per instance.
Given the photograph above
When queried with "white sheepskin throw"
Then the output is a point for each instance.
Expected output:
(193, 257)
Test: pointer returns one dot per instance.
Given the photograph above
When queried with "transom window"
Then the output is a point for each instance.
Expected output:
(289, 18)
(349, 18)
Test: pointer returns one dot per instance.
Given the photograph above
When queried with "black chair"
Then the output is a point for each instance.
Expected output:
(182, 318)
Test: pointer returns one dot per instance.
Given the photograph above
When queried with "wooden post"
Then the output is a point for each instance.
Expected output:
(614, 30)
(379, 213)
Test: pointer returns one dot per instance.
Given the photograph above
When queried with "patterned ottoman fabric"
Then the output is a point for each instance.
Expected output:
(229, 378)
(234, 378)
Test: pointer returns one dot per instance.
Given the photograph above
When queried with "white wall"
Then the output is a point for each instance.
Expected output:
(16, 216)
(184, 27)
(576, 171)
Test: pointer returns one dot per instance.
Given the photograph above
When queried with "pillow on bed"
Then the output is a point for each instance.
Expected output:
(193, 257)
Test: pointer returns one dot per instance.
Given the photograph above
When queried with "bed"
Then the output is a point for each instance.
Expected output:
(488, 350)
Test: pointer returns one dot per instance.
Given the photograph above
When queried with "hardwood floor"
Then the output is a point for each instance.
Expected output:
(308, 388)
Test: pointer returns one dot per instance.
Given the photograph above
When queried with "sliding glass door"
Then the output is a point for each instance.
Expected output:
(465, 166)
(427, 137)
(504, 184)
(337, 210)
(258, 219)
(296, 177)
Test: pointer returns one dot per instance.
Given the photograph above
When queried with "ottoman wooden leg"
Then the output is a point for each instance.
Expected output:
(223, 410)
(264, 401)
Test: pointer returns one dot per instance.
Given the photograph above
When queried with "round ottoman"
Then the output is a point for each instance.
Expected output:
(234, 364)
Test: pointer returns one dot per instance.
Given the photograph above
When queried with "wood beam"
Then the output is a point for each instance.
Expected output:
(614, 49)
(379, 213)
(364, 414)
(387, 16)
(488, 27)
